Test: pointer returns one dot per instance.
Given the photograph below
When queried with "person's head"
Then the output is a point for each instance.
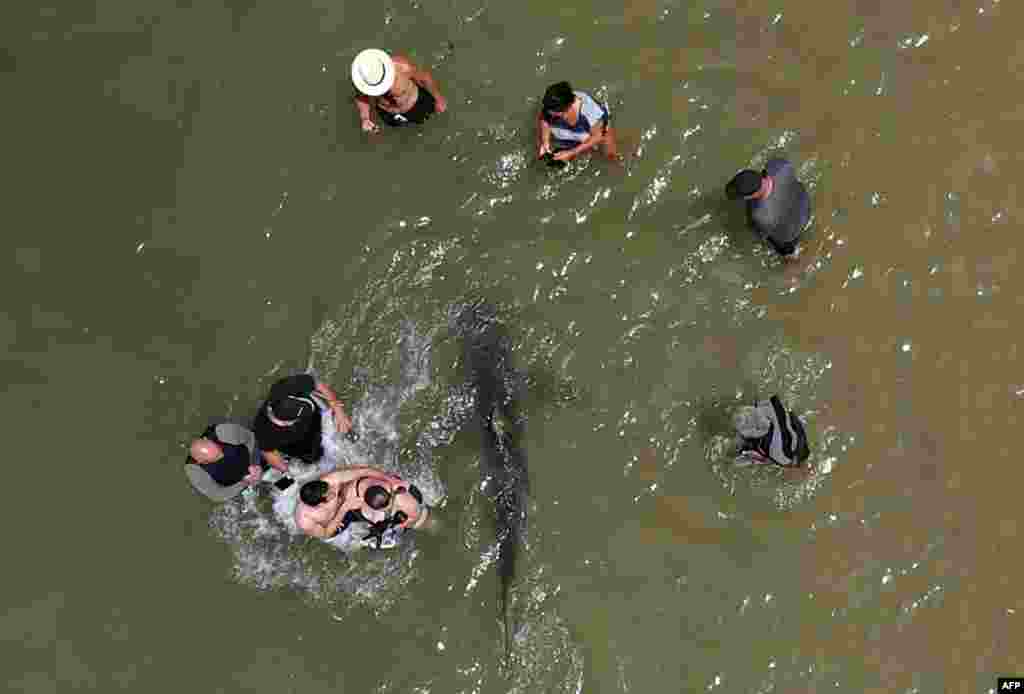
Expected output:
(204, 450)
(373, 72)
(377, 497)
(558, 98)
(746, 184)
(751, 423)
(290, 409)
(314, 493)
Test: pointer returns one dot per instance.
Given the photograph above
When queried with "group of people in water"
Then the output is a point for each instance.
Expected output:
(284, 441)
(572, 122)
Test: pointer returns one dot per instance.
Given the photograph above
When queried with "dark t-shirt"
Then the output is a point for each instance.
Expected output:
(233, 467)
(782, 216)
(224, 479)
(300, 440)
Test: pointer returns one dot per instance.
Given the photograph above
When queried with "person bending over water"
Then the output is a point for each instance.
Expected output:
(778, 205)
(570, 123)
(288, 424)
(399, 91)
(769, 433)
(359, 494)
(223, 461)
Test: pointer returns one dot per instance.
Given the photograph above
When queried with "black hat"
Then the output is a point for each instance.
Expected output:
(290, 408)
(744, 183)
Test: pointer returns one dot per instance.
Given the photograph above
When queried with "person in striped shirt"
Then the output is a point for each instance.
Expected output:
(570, 123)
(770, 433)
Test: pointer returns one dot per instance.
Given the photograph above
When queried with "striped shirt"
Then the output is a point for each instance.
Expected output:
(786, 441)
(591, 114)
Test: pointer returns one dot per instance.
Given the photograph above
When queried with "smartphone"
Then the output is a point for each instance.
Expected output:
(284, 483)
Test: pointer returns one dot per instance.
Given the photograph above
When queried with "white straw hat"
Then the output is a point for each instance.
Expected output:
(373, 72)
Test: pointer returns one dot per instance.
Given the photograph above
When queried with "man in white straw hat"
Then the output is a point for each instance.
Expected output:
(397, 89)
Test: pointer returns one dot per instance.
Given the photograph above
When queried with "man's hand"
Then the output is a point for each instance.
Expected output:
(275, 460)
(441, 103)
(545, 148)
(564, 155)
(369, 126)
(255, 475)
(341, 420)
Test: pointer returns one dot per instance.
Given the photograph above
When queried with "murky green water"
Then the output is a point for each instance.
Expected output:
(192, 211)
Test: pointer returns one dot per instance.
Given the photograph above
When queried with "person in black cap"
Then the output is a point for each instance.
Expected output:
(778, 205)
(223, 461)
(288, 425)
(769, 433)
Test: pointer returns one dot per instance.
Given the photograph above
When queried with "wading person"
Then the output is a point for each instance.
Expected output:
(223, 461)
(288, 424)
(778, 206)
(570, 123)
(769, 433)
(396, 89)
(358, 495)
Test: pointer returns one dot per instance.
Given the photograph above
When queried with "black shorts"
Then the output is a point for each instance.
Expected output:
(786, 248)
(423, 109)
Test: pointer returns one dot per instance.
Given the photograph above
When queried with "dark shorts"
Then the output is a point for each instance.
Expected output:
(423, 109)
(787, 248)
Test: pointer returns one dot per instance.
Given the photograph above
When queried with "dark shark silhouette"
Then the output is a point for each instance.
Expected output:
(502, 462)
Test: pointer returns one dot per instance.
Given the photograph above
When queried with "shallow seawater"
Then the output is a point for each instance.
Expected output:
(195, 213)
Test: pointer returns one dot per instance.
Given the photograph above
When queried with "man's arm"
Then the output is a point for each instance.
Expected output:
(543, 135)
(592, 141)
(421, 77)
(275, 460)
(341, 419)
(311, 527)
(327, 392)
(335, 523)
(364, 105)
(346, 475)
(416, 512)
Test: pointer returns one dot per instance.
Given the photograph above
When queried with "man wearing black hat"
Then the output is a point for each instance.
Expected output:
(778, 206)
(288, 423)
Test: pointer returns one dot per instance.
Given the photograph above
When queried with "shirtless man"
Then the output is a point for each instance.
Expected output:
(327, 505)
(378, 495)
(394, 87)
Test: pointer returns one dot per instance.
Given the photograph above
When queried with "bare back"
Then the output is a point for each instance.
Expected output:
(313, 520)
(324, 518)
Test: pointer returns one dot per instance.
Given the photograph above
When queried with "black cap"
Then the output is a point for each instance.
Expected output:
(290, 408)
(744, 183)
